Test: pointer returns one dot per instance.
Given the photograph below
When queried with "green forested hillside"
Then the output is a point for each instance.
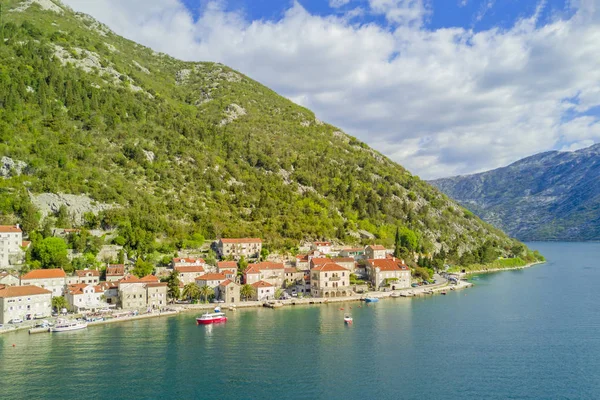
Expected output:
(194, 148)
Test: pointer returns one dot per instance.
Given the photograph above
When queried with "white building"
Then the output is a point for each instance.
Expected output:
(189, 274)
(157, 294)
(87, 276)
(20, 301)
(388, 272)
(11, 240)
(187, 262)
(247, 247)
(263, 291)
(211, 280)
(375, 252)
(8, 279)
(330, 280)
(83, 296)
(322, 247)
(52, 279)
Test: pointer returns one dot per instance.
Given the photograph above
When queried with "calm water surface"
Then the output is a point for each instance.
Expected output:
(530, 334)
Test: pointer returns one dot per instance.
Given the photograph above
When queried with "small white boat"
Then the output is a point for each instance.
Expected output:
(395, 294)
(211, 318)
(348, 319)
(63, 325)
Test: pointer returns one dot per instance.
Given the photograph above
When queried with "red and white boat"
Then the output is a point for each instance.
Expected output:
(211, 318)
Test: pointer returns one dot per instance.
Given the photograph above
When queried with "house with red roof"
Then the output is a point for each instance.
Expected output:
(263, 291)
(115, 272)
(89, 276)
(271, 272)
(85, 297)
(188, 262)
(9, 279)
(228, 268)
(322, 247)
(211, 280)
(156, 294)
(11, 240)
(132, 293)
(346, 262)
(188, 274)
(375, 252)
(388, 272)
(330, 280)
(228, 291)
(53, 279)
(20, 301)
(247, 247)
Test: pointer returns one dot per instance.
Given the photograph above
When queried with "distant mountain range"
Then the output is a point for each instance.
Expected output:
(548, 196)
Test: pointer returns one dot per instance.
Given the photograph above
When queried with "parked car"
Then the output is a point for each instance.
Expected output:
(415, 285)
(15, 321)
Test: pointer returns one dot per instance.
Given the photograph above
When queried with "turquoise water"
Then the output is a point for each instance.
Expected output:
(529, 334)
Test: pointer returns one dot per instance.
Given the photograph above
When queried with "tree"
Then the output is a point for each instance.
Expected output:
(51, 252)
(205, 292)
(278, 293)
(247, 291)
(191, 291)
(397, 244)
(142, 268)
(58, 303)
(242, 265)
(173, 285)
(211, 258)
(264, 253)
(63, 217)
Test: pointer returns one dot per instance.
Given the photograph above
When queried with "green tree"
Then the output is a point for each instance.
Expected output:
(191, 291)
(397, 244)
(247, 291)
(173, 285)
(58, 303)
(142, 268)
(63, 219)
(205, 292)
(242, 265)
(278, 293)
(51, 252)
(211, 258)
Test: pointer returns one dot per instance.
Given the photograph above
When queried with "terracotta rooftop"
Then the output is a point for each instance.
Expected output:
(225, 283)
(45, 274)
(184, 270)
(18, 291)
(388, 264)
(266, 265)
(156, 284)
(227, 264)
(189, 260)
(322, 243)
(115, 270)
(25, 243)
(211, 277)
(108, 285)
(10, 229)
(377, 247)
(330, 266)
(150, 279)
(130, 279)
(87, 272)
(261, 284)
(290, 270)
(242, 240)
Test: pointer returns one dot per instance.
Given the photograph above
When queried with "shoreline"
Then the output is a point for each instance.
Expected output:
(421, 291)
(483, 271)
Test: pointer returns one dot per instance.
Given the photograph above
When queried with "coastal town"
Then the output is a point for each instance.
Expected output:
(322, 272)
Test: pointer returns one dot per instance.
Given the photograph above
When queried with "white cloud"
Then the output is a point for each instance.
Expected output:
(338, 3)
(439, 102)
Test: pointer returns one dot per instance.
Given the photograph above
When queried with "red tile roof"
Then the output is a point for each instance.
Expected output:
(130, 279)
(330, 266)
(25, 243)
(290, 270)
(44, 274)
(377, 247)
(18, 291)
(211, 277)
(302, 257)
(10, 229)
(156, 284)
(261, 284)
(322, 243)
(227, 264)
(115, 270)
(150, 279)
(85, 272)
(188, 260)
(225, 283)
(266, 265)
(242, 240)
(343, 259)
(108, 285)
(388, 264)
(185, 270)
(252, 270)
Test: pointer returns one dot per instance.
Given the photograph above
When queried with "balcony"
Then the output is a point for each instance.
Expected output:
(334, 278)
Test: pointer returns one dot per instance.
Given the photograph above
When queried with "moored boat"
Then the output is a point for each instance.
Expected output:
(211, 318)
(371, 299)
(64, 325)
(347, 319)
(395, 294)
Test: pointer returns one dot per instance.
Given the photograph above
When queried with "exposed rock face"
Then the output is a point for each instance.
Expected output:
(549, 196)
(44, 4)
(49, 203)
(10, 167)
(232, 112)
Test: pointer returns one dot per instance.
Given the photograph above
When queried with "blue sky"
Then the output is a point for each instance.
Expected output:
(443, 87)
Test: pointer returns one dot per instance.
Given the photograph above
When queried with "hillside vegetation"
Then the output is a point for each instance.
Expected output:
(548, 196)
(183, 151)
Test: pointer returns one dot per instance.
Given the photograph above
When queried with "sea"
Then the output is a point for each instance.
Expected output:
(523, 334)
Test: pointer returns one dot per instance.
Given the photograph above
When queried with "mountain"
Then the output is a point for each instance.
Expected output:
(548, 196)
(175, 151)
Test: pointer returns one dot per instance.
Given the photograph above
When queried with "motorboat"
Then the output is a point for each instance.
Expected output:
(371, 299)
(347, 319)
(65, 325)
(211, 318)
(395, 294)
